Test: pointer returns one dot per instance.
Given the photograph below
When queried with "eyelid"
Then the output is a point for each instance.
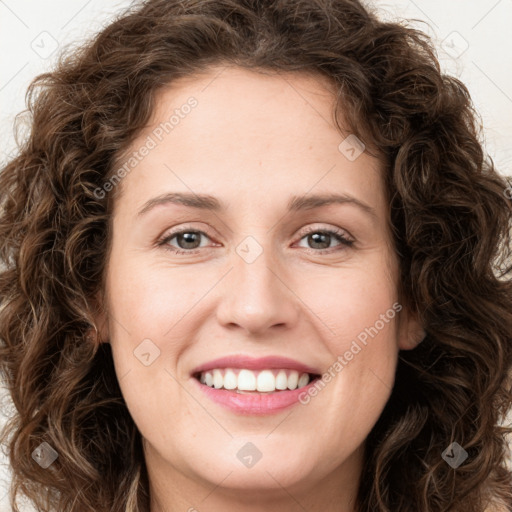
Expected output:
(313, 228)
(185, 227)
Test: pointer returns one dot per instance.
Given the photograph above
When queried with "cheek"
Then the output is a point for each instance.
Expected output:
(362, 312)
(149, 300)
(143, 310)
(358, 308)
(350, 301)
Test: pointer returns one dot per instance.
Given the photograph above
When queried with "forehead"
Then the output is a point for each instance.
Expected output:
(254, 135)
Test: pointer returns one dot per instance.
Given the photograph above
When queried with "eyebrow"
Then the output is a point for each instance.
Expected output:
(296, 203)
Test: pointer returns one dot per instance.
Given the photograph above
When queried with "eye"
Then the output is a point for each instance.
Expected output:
(187, 239)
(321, 239)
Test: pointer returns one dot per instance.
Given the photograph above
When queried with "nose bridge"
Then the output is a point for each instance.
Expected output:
(255, 297)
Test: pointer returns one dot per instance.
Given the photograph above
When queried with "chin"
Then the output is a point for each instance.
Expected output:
(273, 466)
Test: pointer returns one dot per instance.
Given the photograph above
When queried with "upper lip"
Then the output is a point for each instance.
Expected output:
(251, 363)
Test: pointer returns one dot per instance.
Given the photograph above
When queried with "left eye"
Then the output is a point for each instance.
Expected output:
(188, 240)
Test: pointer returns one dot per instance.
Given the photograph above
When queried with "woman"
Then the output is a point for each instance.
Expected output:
(173, 336)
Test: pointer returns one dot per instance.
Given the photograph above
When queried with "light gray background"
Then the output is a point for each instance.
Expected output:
(473, 38)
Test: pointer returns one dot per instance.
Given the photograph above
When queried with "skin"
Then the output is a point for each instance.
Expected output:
(253, 141)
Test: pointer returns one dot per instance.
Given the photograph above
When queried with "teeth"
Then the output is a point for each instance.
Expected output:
(218, 379)
(246, 381)
(281, 380)
(293, 380)
(265, 381)
(303, 380)
(230, 380)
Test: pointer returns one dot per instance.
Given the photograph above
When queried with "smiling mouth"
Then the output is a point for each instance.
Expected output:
(244, 381)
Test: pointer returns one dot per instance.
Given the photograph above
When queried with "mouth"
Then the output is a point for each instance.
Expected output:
(247, 381)
(252, 386)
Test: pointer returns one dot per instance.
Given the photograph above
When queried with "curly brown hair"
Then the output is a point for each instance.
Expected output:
(451, 221)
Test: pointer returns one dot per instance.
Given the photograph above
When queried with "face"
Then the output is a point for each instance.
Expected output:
(246, 281)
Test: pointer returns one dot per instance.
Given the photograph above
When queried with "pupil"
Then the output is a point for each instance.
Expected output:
(317, 238)
(189, 239)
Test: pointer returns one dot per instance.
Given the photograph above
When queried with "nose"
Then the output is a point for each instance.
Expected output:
(257, 296)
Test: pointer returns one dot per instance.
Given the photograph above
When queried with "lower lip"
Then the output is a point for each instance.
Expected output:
(254, 403)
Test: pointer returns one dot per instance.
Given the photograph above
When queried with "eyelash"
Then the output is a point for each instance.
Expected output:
(339, 235)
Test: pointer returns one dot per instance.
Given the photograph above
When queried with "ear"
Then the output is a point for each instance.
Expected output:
(410, 330)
